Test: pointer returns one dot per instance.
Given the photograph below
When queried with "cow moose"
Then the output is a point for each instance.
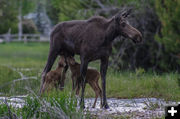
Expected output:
(92, 40)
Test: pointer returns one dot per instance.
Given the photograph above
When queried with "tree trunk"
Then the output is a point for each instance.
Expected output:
(20, 22)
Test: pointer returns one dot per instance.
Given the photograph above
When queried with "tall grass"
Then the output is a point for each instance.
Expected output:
(53, 106)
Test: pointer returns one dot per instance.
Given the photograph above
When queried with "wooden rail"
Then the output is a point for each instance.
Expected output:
(24, 37)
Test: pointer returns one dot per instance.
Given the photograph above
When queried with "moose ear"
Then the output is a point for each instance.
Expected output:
(126, 13)
(117, 18)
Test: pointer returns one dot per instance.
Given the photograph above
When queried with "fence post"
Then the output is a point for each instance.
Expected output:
(8, 35)
(25, 39)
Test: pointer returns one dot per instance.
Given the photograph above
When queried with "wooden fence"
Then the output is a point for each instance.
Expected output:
(24, 38)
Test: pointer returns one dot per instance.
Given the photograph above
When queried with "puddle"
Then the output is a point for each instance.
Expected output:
(17, 101)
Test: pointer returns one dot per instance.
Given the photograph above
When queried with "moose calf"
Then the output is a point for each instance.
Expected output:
(92, 77)
(53, 78)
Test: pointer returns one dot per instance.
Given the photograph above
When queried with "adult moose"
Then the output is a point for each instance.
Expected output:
(92, 40)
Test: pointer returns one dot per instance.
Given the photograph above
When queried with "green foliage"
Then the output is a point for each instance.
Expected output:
(64, 100)
(68, 9)
(52, 11)
(31, 108)
(28, 6)
(3, 110)
(8, 16)
(54, 106)
(139, 71)
(169, 14)
(9, 11)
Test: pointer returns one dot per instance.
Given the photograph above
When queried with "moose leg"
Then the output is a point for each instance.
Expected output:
(83, 70)
(103, 70)
(51, 58)
(73, 83)
(44, 87)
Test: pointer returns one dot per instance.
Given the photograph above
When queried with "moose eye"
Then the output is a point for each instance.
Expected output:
(123, 24)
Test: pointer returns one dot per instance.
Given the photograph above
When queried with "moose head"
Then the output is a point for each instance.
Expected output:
(125, 29)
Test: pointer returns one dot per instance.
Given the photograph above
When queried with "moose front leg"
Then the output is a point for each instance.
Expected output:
(83, 70)
(51, 58)
(103, 70)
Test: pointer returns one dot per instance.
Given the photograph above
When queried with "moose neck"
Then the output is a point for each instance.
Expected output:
(111, 32)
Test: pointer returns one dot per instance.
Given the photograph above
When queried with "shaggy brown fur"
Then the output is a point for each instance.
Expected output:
(92, 77)
(53, 78)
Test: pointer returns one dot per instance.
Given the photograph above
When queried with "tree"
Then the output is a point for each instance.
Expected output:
(10, 9)
(24, 6)
(169, 14)
(8, 16)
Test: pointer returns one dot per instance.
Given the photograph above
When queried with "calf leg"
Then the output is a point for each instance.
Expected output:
(51, 58)
(63, 75)
(96, 90)
(77, 89)
(100, 93)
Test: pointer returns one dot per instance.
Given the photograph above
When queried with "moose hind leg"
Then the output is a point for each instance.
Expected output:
(51, 58)
(103, 70)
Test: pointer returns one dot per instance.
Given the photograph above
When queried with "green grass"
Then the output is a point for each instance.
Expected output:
(125, 84)
(48, 107)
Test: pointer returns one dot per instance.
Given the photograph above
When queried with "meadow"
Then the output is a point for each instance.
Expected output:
(30, 59)
(21, 65)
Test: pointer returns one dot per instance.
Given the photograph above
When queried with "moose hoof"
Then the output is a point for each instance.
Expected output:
(93, 106)
(82, 106)
(105, 106)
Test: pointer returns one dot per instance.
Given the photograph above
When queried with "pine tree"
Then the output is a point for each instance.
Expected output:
(169, 14)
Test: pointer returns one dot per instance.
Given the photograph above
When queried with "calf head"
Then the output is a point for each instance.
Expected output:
(61, 62)
(125, 29)
(71, 61)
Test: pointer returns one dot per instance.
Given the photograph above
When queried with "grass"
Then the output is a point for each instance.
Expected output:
(56, 107)
(125, 84)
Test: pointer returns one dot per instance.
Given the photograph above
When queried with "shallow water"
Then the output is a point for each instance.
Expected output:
(134, 108)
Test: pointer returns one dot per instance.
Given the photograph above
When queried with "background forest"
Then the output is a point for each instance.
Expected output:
(158, 21)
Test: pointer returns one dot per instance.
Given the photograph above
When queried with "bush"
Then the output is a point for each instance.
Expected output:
(29, 26)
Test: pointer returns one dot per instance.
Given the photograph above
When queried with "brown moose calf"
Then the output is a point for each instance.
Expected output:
(53, 78)
(92, 77)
